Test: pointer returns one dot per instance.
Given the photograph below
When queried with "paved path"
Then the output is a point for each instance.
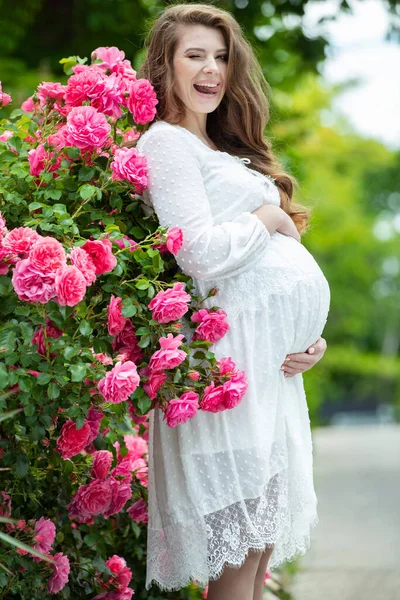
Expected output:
(355, 548)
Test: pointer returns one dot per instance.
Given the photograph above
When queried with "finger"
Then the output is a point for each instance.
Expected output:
(297, 369)
(302, 359)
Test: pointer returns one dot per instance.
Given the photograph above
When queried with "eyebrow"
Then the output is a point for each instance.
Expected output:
(203, 50)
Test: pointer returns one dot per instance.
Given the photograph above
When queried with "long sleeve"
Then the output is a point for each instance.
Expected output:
(177, 193)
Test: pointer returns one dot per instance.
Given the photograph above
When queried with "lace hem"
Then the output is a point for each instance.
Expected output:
(225, 537)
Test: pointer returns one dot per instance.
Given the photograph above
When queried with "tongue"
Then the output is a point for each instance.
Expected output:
(204, 89)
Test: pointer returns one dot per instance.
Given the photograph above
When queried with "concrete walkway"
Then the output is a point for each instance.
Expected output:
(355, 548)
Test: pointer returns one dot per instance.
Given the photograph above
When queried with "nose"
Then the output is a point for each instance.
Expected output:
(211, 66)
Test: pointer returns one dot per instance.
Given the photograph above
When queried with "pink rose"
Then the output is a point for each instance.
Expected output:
(3, 226)
(194, 375)
(116, 320)
(32, 285)
(121, 493)
(86, 128)
(4, 98)
(136, 445)
(28, 105)
(170, 305)
(122, 594)
(45, 532)
(82, 261)
(156, 380)
(226, 365)
(131, 135)
(110, 55)
(103, 358)
(213, 398)
(39, 339)
(70, 286)
(100, 251)
(20, 240)
(72, 440)
(58, 140)
(180, 410)
(47, 255)
(131, 244)
(60, 575)
(116, 564)
(123, 578)
(40, 160)
(174, 240)
(138, 512)
(101, 463)
(127, 342)
(6, 135)
(91, 499)
(169, 356)
(212, 327)
(51, 91)
(129, 165)
(90, 83)
(93, 419)
(119, 383)
(86, 83)
(234, 389)
(142, 101)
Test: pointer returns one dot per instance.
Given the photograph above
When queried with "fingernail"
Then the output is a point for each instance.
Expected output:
(282, 368)
(286, 374)
(287, 359)
(311, 351)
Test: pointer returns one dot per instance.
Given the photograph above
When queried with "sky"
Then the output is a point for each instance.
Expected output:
(358, 50)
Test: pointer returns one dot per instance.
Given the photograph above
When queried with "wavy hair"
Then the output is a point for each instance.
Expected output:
(237, 125)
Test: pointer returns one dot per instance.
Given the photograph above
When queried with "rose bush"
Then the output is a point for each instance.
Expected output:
(92, 301)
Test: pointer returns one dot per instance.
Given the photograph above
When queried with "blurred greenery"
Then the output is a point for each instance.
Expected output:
(352, 183)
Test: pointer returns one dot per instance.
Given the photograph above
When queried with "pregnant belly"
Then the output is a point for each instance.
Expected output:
(285, 290)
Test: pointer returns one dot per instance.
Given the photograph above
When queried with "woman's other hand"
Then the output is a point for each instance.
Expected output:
(276, 219)
(303, 361)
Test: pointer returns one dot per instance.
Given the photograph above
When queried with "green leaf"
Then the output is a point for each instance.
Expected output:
(87, 191)
(129, 310)
(3, 377)
(53, 391)
(34, 206)
(21, 465)
(7, 343)
(199, 355)
(86, 173)
(142, 284)
(29, 410)
(144, 341)
(72, 152)
(43, 378)
(144, 404)
(10, 414)
(85, 328)
(142, 331)
(17, 112)
(78, 372)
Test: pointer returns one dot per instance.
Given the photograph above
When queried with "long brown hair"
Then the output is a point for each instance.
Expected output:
(237, 125)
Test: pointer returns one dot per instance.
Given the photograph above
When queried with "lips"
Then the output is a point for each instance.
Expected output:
(204, 90)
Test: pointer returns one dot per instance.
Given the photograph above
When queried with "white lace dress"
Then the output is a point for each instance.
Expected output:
(225, 483)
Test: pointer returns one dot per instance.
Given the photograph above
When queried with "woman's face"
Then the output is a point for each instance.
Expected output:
(200, 57)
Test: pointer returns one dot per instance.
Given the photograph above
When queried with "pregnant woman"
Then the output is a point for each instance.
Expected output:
(230, 491)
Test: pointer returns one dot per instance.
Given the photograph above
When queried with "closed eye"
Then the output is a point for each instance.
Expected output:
(198, 56)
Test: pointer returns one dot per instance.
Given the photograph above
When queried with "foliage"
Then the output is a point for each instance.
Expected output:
(59, 427)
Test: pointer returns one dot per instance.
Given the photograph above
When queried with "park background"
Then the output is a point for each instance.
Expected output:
(339, 135)
(335, 124)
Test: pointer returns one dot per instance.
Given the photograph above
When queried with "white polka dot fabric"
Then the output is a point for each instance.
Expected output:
(222, 484)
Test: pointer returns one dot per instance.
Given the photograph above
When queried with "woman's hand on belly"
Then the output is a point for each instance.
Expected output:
(303, 361)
